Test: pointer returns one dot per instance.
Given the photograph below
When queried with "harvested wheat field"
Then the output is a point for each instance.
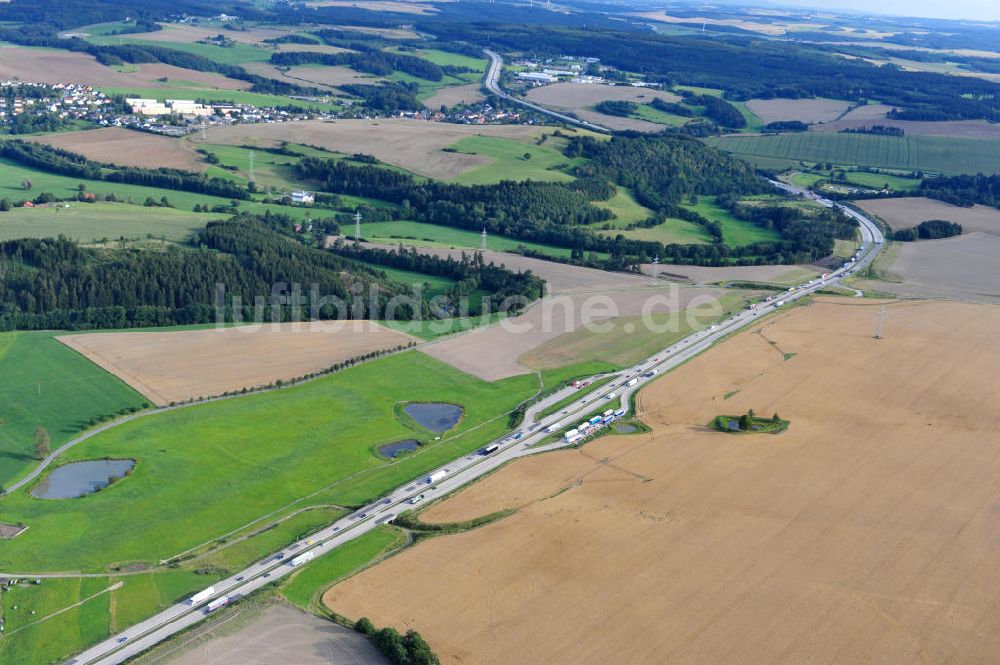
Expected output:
(875, 114)
(56, 66)
(188, 34)
(454, 95)
(866, 533)
(776, 274)
(505, 349)
(175, 366)
(128, 148)
(414, 145)
(580, 97)
(320, 76)
(808, 111)
(962, 268)
(909, 211)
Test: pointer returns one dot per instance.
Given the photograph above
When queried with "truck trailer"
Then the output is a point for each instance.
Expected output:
(216, 604)
(436, 476)
(202, 595)
(631, 382)
(305, 557)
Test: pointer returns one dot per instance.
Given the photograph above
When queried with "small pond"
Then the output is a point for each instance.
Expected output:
(80, 478)
(394, 449)
(435, 416)
(626, 429)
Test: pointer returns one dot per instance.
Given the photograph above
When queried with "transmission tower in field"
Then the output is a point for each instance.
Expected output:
(881, 322)
(482, 240)
(357, 226)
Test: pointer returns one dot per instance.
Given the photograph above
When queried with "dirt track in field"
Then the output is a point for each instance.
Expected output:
(414, 145)
(867, 533)
(580, 97)
(804, 110)
(175, 366)
(909, 211)
(128, 148)
(55, 66)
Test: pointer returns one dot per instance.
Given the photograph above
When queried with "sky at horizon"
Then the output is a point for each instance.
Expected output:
(975, 10)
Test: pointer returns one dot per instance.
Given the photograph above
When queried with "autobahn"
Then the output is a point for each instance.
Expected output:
(492, 82)
(529, 440)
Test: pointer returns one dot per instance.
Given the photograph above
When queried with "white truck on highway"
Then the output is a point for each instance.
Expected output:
(436, 476)
(216, 604)
(305, 557)
(631, 382)
(202, 595)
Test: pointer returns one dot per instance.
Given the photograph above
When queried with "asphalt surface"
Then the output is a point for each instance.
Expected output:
(530, 439)
(492, 82)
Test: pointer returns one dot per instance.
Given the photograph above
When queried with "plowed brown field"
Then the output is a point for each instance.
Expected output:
(866, 533)
(129, 148)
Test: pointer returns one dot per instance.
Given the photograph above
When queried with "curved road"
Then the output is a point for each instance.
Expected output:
(492, 82)
(464, 470)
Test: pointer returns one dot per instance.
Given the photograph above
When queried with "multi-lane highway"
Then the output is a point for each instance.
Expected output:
(492, 82)
(531, 439)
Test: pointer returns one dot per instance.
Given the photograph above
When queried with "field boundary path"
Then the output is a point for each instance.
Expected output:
(529, 440)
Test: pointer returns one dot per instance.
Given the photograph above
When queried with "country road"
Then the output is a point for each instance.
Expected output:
(531, 439)
(492, 82)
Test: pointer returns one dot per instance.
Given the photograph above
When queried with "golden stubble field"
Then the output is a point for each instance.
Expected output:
(867, 533)
(173, 366)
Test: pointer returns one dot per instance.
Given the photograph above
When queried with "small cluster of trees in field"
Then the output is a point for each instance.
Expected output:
(932, 229)
(408, 649)
(750, 422)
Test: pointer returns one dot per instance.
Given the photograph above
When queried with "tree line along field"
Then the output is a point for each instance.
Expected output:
(934, 154)
(204, 470)
(45, 384)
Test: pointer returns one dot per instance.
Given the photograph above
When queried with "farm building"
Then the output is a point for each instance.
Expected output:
(302, 197)
(536, 77)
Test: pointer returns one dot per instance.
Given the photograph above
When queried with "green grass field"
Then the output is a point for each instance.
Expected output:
(546, 163)
(54, 637)
(735, 232)
(305, 587)
(431, 285)
(92, 221)
(208, 469)
(434, 328)
(47, 384)
(927, 153)
(880, 180)
(12, 174)
(647, 112)
(237, 54)
(431, 235)
(626, 209)
(671, 231)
